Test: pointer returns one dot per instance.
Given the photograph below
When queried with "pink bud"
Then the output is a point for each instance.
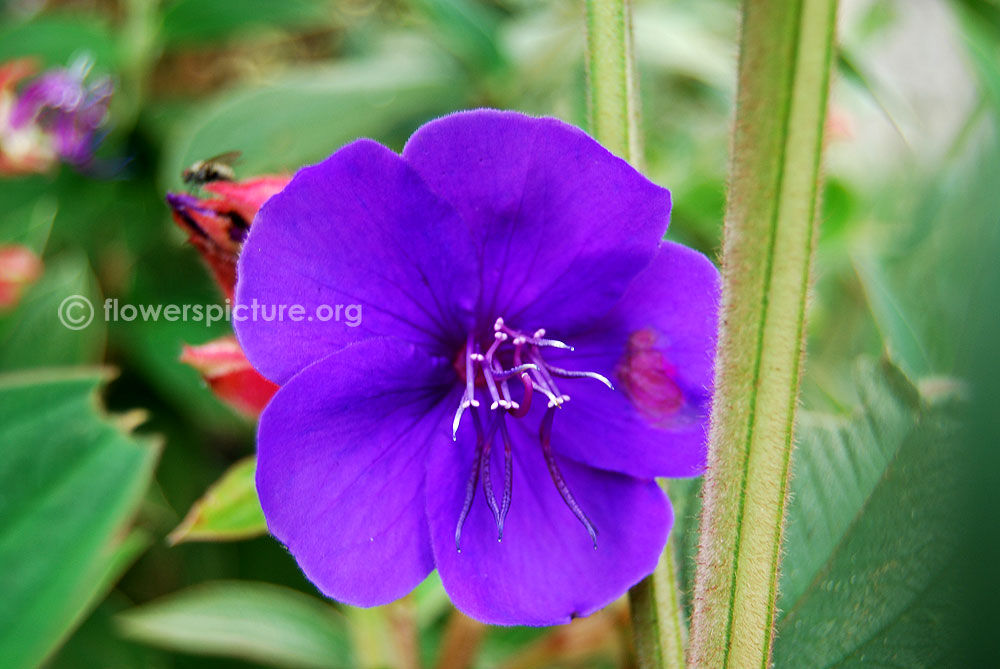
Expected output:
(230, 375)
(217, 226)
(19, 268)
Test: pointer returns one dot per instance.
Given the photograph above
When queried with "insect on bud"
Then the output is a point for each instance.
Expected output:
(217, 225)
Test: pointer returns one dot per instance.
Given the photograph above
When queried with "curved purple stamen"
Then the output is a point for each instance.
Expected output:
(545, 435)
(508, 476)
(484, 465)
(480, 467)
(470, 487)
(513, 371)
(572, 374)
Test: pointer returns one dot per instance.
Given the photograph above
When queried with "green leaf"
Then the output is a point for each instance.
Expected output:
(229, 510)
(56, 40)
(33, 334)
(191, 21)
(263, 623)
(29, 209)
(70, 481)
(871, 532)
(775, 183)
(897, 329)
(467, 29)
(306, 116)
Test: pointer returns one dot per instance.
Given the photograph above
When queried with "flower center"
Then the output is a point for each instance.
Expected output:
(513, 358)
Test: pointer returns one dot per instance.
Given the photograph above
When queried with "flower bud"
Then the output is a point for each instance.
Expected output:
(19, 268)
(228, 372)
(217, 226)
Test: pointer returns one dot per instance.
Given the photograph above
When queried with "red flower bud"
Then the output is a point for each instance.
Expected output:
(228, 372)
(217, 226)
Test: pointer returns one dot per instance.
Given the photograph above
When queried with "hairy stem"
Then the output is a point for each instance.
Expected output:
(611, 82)
(657, 620)
(771, 219)
(657, 617)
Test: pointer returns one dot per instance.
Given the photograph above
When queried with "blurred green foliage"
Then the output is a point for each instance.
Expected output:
(911, 193)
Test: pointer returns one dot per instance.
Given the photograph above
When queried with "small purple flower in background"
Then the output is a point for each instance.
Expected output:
(56, 117)
(531, 356)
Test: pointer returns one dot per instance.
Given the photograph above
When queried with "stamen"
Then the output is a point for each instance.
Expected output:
(470, 487)
(498, 338)
(491, 385)
(553, 400)
(547, 378)
(484, 464)
(551, 343)
(508, 476)
(537, 339)
(522, 411)
(505, 393)
(535, 375)
(462, 406)
(469, 398)
(513, 371)
(573, 374)
(470, 377)
(545, 435)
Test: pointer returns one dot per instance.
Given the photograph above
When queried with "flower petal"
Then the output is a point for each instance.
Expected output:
(360, 228)
(340, 469)
(657, 346)
(558, 217)
(546, 570)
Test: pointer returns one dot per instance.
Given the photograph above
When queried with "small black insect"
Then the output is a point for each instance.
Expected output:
(216, 168)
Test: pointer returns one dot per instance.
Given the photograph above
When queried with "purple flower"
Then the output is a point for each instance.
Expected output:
(490, 242)
(63, 104)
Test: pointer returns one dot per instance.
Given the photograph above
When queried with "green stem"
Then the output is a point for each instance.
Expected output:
(657, 619)
(774, 189)
(613, 92)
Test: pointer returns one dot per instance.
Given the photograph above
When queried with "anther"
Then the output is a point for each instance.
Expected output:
(552, 343)
(470, 486)
(508, 477)
(553, 400)
(545, 436)
(513, 371)
(572, 374)
(544, 373)
(484, 461)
